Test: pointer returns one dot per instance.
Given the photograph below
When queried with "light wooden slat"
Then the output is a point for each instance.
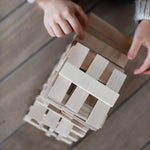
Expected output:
(64, 127)
(10, 5)
(79, 96)
(97, 67)
(27, 82)
(51, 119)
(113, 36)
(100, 47)
(78, 54)
(129, 123)
(37, 112)
(22, 34)
(88, 84)
(116, 80)
(98, 115)
(77, 99)
(59, 89)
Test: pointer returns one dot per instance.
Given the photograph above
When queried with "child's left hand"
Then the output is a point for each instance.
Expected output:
(141, 37)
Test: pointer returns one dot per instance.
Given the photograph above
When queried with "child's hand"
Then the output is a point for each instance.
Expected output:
(61, 17)
(141, 37)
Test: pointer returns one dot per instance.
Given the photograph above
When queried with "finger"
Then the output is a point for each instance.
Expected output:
(145, 65)
(49, 30)
(76, 25)
(57, 30)
(135, 46)
(65, 26)
(82, 16)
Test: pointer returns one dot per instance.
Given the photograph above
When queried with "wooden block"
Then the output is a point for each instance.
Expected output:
(116, 80)
(97, 67)
(51, 119)
(64, 127)
(37, 112)
(108, 71)
(102, 48)
(89, 84)
(109, 34)
(77, 99)
(79, 96)
(98, 115)
(78, 54)
(78, 132)
(59, 89)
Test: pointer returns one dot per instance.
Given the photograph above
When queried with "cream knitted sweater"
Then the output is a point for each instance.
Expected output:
(142, 10)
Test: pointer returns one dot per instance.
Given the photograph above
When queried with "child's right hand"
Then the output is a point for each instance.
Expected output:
(61, 17)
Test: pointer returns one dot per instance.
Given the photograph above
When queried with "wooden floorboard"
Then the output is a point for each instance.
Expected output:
(22, 34)
(127, 129)
(6, 6)
(29, 138)
(19, 90)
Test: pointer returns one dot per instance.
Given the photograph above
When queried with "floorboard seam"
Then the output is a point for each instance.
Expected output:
(144, 146)
(11, 12)
(26, 60)
(13, 133)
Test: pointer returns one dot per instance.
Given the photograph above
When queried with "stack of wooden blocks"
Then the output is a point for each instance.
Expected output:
(84, 85)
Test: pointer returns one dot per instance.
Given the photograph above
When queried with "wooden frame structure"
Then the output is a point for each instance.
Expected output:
(84, 85)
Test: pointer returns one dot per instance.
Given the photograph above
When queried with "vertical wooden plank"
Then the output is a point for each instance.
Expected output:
(98, 115)
(116, 80)
(78, 54)
(64, 127)
(51, 119)
(59, 89)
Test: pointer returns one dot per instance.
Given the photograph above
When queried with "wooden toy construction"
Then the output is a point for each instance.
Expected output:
(84, 85)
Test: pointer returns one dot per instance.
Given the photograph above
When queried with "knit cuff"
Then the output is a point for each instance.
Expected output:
(142, 10)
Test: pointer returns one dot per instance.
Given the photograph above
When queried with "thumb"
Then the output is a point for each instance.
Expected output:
(135, 46)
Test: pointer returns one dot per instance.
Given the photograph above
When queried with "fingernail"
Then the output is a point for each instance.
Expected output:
(130, 57)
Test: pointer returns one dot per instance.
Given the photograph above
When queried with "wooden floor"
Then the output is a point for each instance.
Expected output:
(28, 55)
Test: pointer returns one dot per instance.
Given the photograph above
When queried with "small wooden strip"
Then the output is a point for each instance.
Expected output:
(36, 112)
(98, 115)
(97, 67)
(110, 34)
(64, 127)
(100, 47)
(108, 71)
(79, 96)
(78, 54)
(51, 119)
(89, 84)
(116, 80)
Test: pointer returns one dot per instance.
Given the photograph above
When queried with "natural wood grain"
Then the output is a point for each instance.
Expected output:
(30, 138)
(127, 129)
(6, 6)
(22, 33)
(19, 90)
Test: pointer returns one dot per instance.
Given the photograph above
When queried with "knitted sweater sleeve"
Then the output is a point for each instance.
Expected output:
(142, 10)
